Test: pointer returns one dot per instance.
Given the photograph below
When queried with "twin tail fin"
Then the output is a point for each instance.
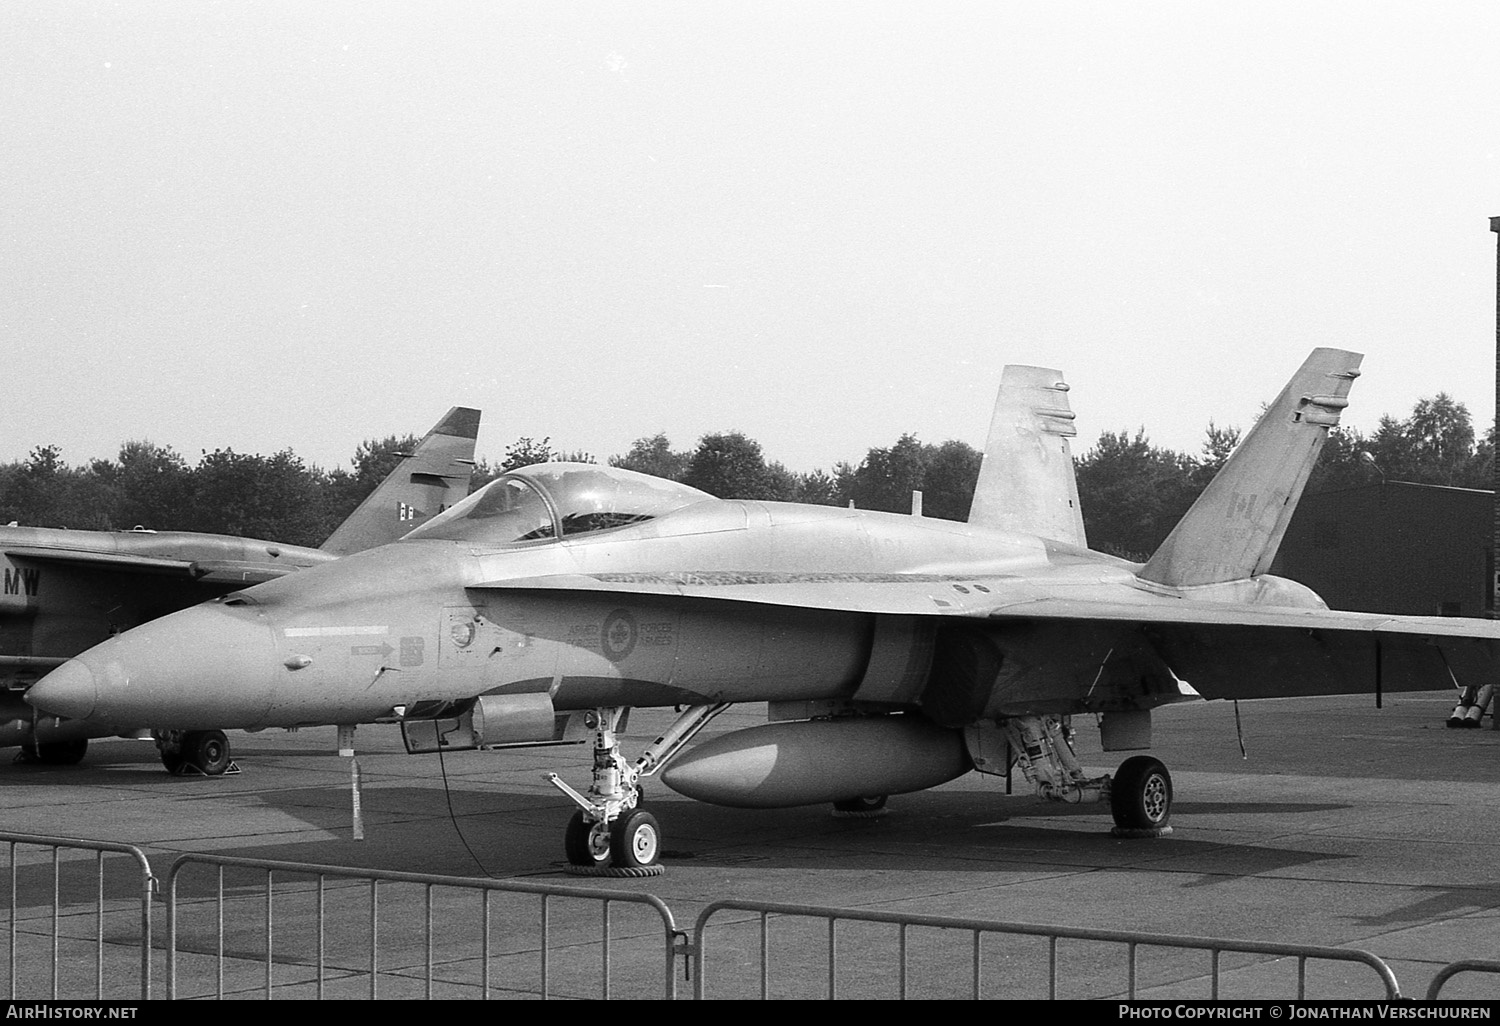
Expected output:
(1234, 529)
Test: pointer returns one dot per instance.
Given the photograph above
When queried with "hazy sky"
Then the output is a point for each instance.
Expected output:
(289, 225)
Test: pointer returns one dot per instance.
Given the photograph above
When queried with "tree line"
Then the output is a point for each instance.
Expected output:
(1132, 491)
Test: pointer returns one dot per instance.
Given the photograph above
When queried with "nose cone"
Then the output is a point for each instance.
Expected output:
(68, 691)
(204, 667)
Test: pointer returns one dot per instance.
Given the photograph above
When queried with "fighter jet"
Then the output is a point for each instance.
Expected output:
(894, 652)
(65, 591)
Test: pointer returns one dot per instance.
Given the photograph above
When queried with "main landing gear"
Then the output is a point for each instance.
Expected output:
(610, 834)
(1140, 798)
(184, 752)
(1139, 793)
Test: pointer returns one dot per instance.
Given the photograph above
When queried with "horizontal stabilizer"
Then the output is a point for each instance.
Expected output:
(1026, 482)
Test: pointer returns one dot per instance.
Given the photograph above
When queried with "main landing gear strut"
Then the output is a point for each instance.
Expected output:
(610, 834)
(1139, 793)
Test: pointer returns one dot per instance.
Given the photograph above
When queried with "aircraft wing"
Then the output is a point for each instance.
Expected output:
(1236, 651)
(1222, 650)
(209, 571)
(852, 592)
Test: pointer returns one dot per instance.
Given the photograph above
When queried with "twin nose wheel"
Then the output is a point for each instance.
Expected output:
(630, 846)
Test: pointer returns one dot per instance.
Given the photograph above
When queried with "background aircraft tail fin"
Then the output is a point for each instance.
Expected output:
(1026, 481)
(1234, 529)
(428, 480)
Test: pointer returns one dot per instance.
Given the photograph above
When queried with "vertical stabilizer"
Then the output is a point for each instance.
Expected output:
(1233, 530)
(428, 480)
(1026, 481)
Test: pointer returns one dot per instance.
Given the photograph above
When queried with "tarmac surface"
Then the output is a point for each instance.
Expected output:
(1344, 825)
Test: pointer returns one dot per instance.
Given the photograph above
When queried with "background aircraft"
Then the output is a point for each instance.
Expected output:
(65, 591)
(894, 652)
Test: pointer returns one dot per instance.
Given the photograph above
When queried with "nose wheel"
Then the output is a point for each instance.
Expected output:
(635, 840)
(587, 843)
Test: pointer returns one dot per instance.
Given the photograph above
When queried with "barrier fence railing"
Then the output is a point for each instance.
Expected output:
(361, 904)
(1452, 969)
(72, 890)
(805, 948)
(82, 922)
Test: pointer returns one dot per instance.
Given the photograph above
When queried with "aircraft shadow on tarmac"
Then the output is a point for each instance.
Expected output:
(513, 830)
(78, 882)
(1440, 904)
(134, 757)
(508, 833)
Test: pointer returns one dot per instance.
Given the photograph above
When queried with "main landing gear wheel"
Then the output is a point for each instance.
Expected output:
(1140, 797)
(54, 753)
(196, 751)
(208, 751)
(860, 808)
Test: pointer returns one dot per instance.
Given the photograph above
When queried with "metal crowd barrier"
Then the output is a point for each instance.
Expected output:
(71, 895)
(1447, 972)
(226, 925)
(382, 905)
(979, 928)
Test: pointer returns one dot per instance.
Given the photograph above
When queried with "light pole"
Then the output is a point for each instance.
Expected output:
(1495, 462)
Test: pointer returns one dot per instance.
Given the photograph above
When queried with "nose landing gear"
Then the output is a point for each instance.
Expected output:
(610, 835)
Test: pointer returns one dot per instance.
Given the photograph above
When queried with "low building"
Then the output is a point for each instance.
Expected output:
(1394, 547)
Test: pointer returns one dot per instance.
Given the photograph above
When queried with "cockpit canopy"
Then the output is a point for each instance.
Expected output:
(557, 500)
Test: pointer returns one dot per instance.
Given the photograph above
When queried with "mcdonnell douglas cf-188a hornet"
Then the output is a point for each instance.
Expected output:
(68, 590)
(895, 652)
